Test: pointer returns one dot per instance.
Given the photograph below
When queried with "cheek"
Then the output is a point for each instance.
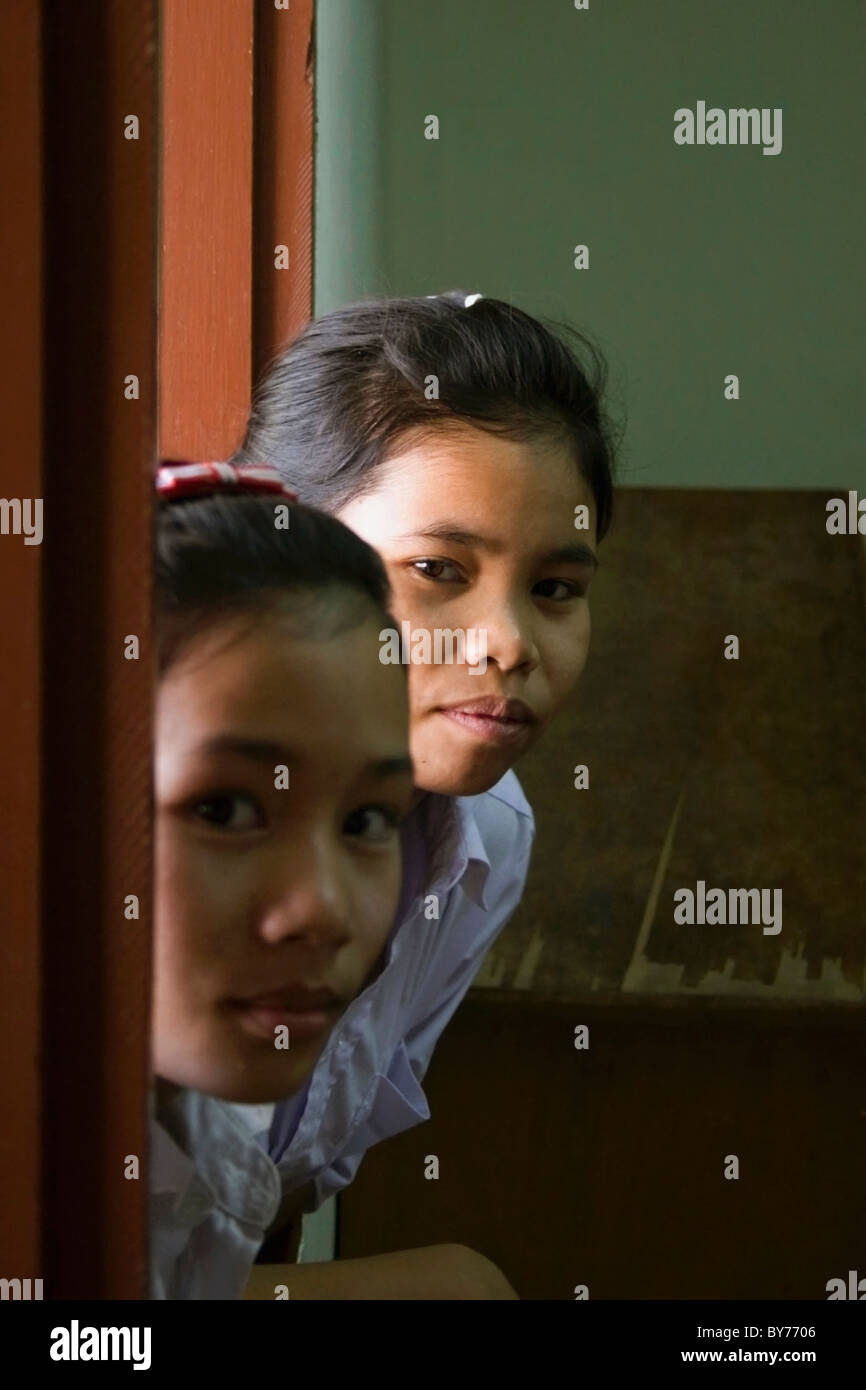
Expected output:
(374, 904)
(405, 597)
(423, 603)
(566, 652)
(193, 902)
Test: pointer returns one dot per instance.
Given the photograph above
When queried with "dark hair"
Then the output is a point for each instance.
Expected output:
(222, 555)
(332, 406)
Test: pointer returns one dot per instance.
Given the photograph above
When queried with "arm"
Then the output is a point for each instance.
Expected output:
(284, 1236)
(432, 1272)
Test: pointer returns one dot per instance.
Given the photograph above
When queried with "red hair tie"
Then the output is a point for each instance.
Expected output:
(181, 480)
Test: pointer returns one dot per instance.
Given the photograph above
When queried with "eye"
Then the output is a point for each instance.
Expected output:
(229, 811)
(433, 569)
(568, 589)
(374, 824)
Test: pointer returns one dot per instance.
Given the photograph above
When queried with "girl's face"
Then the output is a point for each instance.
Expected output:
(273, 902)
(478, 532)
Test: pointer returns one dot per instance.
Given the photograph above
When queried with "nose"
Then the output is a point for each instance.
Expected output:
(511, 642)
(308, 901)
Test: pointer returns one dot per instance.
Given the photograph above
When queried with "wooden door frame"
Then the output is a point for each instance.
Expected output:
(100, 182)
(20, 612)
(82, 232)
(236, 184)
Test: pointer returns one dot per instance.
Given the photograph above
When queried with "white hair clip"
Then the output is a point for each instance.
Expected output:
(468, 299)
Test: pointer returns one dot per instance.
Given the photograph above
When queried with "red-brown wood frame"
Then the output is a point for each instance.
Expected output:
(100, 292)
(283, 213)
(87, 211)
(20, 674)
(206, 225)
(236, 183)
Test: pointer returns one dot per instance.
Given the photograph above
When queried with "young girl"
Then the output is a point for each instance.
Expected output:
(464, 440)
(282, 774)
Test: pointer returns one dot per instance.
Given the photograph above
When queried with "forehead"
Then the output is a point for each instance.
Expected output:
(258, 672)
(468, 473)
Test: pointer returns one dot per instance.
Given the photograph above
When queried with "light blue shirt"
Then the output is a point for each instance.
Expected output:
(218, 1178)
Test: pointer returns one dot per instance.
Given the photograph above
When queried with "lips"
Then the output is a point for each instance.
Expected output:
(495, 707)
(306, 1014)
(494, 720)
(295, 999)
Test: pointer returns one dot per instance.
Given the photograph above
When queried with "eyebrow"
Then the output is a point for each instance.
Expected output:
(457, 535)
(266, 751)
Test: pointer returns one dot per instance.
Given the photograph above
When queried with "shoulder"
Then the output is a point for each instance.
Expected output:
(503, 816)
(499, 826)
(507, 792)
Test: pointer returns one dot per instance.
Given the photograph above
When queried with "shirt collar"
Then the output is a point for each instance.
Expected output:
(212, 1146)
(452, 849)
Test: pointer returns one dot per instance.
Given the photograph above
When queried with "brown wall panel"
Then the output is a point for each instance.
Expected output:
(605, 1167)
(765, 757)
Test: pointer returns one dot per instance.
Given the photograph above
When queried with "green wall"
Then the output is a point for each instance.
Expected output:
(556, 128)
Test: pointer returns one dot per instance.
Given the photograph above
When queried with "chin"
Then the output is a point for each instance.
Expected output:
(450, 763)
(469, 781)
(238, 1081)
(249, 1090)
